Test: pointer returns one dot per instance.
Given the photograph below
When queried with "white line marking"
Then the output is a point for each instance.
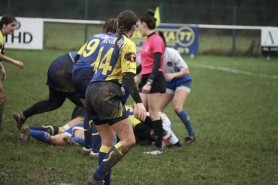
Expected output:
(234, 71)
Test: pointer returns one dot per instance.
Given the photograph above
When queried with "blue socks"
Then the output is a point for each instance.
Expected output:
(51, 129)
(40, 135)
(113, 156)
(186, 121)
(87, 133)
(96, 140)
(102, 153)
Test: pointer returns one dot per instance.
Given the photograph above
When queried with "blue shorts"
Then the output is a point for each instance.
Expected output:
(80, 80)
(69, 131)
(178, 84)
(59, 74)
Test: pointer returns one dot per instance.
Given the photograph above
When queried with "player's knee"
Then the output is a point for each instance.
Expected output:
(177, 108)
(131, 143)
(2, 97)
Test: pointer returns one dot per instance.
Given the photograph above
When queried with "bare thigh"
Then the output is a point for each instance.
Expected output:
(179, 99)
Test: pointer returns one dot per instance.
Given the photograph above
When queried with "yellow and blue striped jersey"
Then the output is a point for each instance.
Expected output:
(134, 121)
(2, 42)
(89, 52)
(114, 60)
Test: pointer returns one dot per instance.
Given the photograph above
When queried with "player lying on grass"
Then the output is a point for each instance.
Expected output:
(144, 134)
(71, 133)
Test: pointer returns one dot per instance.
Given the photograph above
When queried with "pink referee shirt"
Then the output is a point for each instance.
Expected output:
(153, 44)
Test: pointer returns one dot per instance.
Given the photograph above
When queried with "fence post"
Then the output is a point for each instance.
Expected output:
(86, 18)
(234, 30)
(9, 7)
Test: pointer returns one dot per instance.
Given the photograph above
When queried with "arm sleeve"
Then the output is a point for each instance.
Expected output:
(157, 58)
(79, 53)
(138, 69)
(128, 79)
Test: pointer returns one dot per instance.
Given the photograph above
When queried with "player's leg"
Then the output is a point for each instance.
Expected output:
(167, 125)
(54, 101)
(2, 103)
(180, 97)
(77, 111)
(166, 98)
(26, 132)
(72, 96)
(87, 148)
(59, 139)
(124, 131)
(77, 138)
(51, 129)
(96, 142)
(105, 147)
(154, 107)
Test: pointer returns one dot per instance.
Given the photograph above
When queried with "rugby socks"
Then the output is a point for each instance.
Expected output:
(158, 133)
(87, 133)
(186, 121)
(52, 130)
(102, 153)
(40, 135)
(96, 140)
(114, 155)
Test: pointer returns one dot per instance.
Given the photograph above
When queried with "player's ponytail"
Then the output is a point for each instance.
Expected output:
(149, 19)
(126, 20)
(161, 34)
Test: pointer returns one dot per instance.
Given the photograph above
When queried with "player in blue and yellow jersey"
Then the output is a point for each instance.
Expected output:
(115, 63)
(60, 87)
(7, 26)
(74, 135)
(82, 73)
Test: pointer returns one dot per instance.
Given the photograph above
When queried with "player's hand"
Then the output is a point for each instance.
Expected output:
(3, 72)
(123, 90)
(146, 89)
(169, 77)
(140, 112)
(19, 64)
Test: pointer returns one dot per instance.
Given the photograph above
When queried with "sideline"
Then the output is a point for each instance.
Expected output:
(233, 71)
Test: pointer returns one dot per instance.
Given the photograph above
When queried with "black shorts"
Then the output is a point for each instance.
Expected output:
(103, 103)
(158, 85)
(80, 80)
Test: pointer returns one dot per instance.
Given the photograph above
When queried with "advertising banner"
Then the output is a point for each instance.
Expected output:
(183, 38)
(28, 34)
(269, 42)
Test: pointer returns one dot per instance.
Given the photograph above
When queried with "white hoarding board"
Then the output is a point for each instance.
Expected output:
(269, 41)
(28, 34)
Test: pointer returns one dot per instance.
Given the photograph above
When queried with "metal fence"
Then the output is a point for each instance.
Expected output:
(170, 12)
(211, 40)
